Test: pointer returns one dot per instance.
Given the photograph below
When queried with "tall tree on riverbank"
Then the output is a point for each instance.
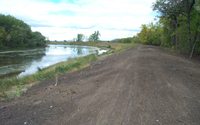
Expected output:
(15, 33)
(95, 36)
(80, 37)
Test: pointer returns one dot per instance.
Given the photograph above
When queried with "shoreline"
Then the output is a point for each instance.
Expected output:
(21, 48)
(10, 88)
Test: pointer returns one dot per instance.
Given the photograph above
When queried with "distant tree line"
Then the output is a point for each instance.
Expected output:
(92, 38)
(178, 27)
(14, 33)
(134, 39)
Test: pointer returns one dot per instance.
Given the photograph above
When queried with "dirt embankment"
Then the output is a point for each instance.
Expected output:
(143, 85)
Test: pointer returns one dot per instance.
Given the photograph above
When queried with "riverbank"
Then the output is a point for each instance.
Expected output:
(111, 45)
(20, 48)
(10, 88)
(142, 85)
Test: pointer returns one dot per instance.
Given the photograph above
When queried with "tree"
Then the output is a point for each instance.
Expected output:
(127, 40)
(15, 33)
(136, 39)
(145, 35)
(195, 26)
(95, 36)
(3, 34)
(188, 5)
(39, 38)
(170, 9)
(80, 37)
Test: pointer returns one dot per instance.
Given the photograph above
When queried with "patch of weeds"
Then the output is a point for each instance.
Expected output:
(93, 58)
(97, 52)
(132, 43)
(109, 46)
(77, 65)
(60, 69)
(119, 46)
(39, 77)
(3, 95)
(39, 69)
(19, 90)
(82, 65)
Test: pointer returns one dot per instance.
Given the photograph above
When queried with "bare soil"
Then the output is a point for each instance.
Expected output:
(143, 85)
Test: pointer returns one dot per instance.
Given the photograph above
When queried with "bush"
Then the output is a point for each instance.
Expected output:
(119, 46)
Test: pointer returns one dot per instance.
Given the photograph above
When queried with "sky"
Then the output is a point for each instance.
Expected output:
(64, 19)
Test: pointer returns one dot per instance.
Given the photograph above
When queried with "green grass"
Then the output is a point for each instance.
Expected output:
(10, 88)
(54, 71)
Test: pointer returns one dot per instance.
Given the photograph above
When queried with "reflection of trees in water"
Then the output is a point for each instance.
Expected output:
(10, 75)
(20, 57)
(78, 50)
(14, 62)
(82, 50)
(47, 48)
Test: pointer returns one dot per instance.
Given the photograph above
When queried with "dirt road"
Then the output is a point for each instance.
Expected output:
(143, 85)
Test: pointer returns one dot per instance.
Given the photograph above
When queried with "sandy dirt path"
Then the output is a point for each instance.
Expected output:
(143, 85)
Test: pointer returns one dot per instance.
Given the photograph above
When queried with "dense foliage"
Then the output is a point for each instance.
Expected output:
(178, 26)
(134, 39)
(14, 33)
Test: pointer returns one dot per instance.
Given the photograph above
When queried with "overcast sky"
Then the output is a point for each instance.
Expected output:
(64, 19)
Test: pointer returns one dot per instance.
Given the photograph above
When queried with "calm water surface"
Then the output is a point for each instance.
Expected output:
(21, 63)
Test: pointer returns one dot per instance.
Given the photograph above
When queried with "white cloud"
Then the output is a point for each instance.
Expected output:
(113, 18)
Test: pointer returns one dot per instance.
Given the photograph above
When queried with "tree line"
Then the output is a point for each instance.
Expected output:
(14, 33)
(178, 26)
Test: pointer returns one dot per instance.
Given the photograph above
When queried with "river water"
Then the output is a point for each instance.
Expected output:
(26, 62)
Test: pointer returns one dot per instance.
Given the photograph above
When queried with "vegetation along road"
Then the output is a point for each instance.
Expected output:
(143, 85)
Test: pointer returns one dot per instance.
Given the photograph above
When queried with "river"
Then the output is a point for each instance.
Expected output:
(26, 62)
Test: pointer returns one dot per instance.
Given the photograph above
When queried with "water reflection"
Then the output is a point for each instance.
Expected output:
(21, 63)
(13, 63)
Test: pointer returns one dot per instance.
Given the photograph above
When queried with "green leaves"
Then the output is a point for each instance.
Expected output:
(80, 37)
(15, 33)
(94, 37)
(151, 34)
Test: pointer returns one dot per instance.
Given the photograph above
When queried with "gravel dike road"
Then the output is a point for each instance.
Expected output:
(145, 85)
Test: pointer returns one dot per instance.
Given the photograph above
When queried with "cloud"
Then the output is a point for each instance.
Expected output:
(65, 18)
